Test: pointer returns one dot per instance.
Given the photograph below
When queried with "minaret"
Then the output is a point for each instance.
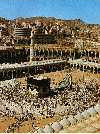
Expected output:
(31, 46)
(0, 32)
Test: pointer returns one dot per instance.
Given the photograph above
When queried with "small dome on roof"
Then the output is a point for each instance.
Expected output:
(57, 126)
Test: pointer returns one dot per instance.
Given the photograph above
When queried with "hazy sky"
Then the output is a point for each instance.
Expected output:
(87, 10)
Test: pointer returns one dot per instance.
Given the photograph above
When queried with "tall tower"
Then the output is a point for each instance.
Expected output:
(0, 32)
(31, 46)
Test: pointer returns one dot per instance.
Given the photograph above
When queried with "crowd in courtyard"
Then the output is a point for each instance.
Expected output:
(21, 104)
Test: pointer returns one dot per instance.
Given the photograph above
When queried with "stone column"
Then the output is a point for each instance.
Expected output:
(79, 67)
(93, 70)
(12, 75)
(83, 68)
(31, 46)
(88, 55)
(35, 69)
(57, 54)
(52, 53)
(11, 57)
(99, 55)
(15, 56)
(48, 52)
(74, 55)
(43, 52)
(0, 33)
(95, 55)
(7, 74)
(3, 74)
(96, 70)
(52, 67)
(70, 54)
(61, 54)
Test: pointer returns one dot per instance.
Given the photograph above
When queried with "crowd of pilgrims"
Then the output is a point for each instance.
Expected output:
(16, 101)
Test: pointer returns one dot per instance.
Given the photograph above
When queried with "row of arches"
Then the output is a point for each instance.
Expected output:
(53, 53)
(90, 53)
(85, 68)
(31, 70)
(13, 56)
(92, 56)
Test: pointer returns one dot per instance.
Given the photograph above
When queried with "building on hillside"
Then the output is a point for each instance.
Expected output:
(3, 31)
(22, 32)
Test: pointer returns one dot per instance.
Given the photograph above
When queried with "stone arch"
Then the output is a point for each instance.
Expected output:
(37, 52)
(88, 68)
(98, 70)
(59, 52)
(81, 67)
(45, 52)
(63, 53)
(75, 65)
(71, 65)
(85, 68)
(68, 53)
(87, 53)
(41, 52)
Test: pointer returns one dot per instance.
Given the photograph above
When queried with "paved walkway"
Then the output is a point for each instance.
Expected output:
(91, 125)
(28, 64)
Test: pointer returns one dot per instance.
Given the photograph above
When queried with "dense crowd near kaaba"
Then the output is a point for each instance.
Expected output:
(21, 104)
(82, 96)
